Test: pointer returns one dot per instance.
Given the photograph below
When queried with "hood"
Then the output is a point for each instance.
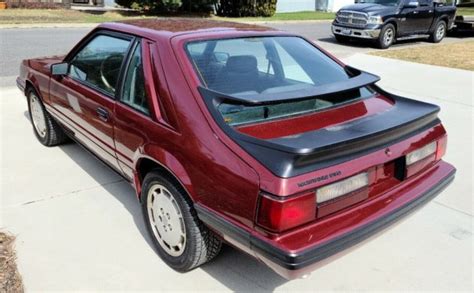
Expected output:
(369, 8)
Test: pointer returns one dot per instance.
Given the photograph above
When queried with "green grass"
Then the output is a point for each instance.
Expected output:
(465, 11)
(31, 16)
(290, 16)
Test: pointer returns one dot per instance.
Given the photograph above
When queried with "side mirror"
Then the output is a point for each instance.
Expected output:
(412, 4)
(59, 69)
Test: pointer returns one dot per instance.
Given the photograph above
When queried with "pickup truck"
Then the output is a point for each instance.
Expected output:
(385, 21)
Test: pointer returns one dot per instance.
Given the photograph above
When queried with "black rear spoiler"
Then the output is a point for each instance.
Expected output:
(359, 79)
(318, 149)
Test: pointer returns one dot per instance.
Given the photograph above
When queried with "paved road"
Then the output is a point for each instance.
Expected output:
(18, 44)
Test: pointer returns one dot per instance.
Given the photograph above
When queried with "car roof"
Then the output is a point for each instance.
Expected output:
(169, 27)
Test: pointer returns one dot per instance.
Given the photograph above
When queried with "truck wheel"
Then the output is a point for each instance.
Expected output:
(180, 238)
(387, 36)
(342, 39)
(439, 32)
(48, 131)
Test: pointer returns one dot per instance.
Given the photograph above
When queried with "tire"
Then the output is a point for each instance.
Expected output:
(342, 39)
(180, 238)
(387, 36)
(47, 131)
(439, 32)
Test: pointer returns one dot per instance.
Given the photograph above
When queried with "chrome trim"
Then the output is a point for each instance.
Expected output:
(356, 33)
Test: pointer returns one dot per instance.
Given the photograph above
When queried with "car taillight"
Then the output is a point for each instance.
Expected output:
(343, 187)
(441, 148)
(418, 159)
(277, 214)
(420, 153)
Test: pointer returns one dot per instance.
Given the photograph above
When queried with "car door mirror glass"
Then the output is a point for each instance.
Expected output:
(412, 4)
(59, 69)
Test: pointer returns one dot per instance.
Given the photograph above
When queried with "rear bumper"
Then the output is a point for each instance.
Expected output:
(291, 262)
(371, 34)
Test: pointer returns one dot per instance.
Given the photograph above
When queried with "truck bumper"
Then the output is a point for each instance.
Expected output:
(355, 32)
(296, 254)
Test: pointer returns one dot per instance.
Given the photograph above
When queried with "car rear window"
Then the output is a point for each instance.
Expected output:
(267, 65)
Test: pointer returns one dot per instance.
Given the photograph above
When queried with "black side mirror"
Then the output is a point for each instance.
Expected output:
(59, 69)
(412, 4)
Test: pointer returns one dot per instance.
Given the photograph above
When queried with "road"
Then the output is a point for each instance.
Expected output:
(79, 226)
(19, 44)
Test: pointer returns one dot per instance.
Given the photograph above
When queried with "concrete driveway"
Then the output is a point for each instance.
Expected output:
(79, 226)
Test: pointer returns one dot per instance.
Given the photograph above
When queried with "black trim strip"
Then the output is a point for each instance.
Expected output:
(295, 261)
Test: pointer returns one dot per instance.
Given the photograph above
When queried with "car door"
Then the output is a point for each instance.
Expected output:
(417, 20)
(85, 97)
(143, 111)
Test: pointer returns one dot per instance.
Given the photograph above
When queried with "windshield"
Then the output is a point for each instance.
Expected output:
(267, 65)
(381, 2)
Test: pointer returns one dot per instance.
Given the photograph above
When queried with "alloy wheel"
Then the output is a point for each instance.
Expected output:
(37, 115)
(166, 220)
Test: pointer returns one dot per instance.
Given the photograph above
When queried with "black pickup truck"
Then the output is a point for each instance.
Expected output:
(386, 21)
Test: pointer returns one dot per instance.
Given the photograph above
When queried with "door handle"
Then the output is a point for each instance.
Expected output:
(415, 12)
(103, 114)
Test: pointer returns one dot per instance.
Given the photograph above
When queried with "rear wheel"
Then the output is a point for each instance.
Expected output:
(181, 239)
(387, 36)
(439, 32)
(48, 131)
(342, 39)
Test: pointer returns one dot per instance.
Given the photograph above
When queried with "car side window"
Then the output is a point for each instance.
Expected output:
(98, 63)
(134, 93)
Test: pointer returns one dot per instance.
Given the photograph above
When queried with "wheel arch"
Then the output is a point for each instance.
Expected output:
(393, 22)
(172, 170)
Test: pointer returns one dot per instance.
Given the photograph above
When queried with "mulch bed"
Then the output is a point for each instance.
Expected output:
(10, 279)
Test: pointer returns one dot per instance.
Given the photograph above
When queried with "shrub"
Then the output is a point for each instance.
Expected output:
(33, 5)
(242, 8)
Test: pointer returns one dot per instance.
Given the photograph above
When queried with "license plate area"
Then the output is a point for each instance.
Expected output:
(346, 31)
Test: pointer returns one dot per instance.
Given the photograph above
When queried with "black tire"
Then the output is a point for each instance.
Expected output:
(53, 133)
(342, 39)
(201, 244)
(387, 36)
(439, 32)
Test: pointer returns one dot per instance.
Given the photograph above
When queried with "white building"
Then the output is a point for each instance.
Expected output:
(311, 5)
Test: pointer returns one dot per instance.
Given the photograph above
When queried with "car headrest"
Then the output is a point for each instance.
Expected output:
(241, 64)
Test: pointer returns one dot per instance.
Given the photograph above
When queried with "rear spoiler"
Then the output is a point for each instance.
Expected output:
(359, 79)
(313, 150)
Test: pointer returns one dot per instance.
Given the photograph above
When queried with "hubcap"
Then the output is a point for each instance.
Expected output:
(166, 220)
(37, 115)
(388, 36)
(440, 32)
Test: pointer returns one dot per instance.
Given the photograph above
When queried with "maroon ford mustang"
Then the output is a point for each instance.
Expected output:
(240, 134)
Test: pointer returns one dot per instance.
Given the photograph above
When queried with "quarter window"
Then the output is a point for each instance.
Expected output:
(134, 93)
(98, 63)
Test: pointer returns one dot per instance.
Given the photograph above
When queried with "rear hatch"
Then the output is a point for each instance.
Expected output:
(298, 144)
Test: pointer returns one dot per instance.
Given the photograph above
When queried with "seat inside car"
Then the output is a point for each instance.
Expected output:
(240, 74)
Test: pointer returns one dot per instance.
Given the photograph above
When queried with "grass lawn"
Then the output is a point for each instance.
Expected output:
(304, 15)
(458, 55)
(30, 16)
(465, 11)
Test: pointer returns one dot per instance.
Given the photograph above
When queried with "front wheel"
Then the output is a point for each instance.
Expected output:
(387, 36)
(48, 131)
(439, 32)
(180, 238)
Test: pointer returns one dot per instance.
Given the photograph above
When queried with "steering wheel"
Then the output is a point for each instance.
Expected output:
(109, 70)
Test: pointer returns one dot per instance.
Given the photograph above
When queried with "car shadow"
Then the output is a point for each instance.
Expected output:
(231, 267)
